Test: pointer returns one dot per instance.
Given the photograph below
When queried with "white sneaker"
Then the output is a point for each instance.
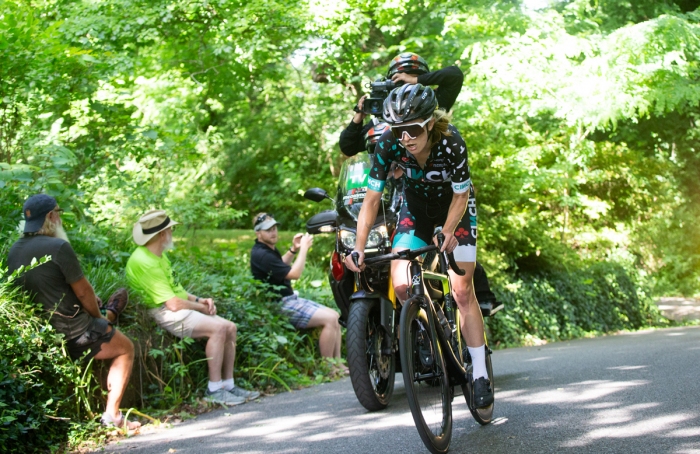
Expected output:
(247, 395)
(223, 397)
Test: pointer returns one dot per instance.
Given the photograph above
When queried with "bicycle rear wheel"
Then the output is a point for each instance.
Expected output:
(425, 378)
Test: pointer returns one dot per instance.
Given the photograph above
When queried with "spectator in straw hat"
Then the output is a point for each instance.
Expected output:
(69, 300)
(180, 313)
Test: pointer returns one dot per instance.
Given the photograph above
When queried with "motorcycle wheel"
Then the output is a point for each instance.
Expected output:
(371, 373)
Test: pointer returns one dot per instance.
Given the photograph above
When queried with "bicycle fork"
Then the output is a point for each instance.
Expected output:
(457, 373)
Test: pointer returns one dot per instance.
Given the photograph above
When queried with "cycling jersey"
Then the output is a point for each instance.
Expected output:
(445, 172)
(428, 191)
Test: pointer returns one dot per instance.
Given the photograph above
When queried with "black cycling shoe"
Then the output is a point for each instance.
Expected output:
(483, 393)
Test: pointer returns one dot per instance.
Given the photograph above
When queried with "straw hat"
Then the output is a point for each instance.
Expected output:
(150, 224)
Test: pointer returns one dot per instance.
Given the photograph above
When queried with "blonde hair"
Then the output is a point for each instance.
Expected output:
(441, 122)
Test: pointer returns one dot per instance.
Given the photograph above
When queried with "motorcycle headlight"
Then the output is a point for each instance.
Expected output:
(376, 238)
(348, 239)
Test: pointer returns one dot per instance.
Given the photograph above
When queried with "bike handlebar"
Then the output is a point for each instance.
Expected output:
(410, 254)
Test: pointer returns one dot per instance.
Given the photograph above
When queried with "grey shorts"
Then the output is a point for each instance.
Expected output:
(91, 340)
(299, 310)
(179, 323)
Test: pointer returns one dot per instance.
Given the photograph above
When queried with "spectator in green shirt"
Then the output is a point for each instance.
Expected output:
(179, 312)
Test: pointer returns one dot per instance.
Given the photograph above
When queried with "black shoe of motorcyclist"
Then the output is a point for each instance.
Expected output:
(483, 392)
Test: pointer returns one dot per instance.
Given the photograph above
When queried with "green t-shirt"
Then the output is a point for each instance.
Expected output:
(152, 277)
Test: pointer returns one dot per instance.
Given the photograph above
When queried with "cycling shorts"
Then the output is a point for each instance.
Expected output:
(418, 219)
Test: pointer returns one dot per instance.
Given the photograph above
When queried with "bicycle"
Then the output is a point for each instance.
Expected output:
(433, 360)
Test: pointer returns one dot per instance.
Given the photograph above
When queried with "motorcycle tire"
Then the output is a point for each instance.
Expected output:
(372, 374)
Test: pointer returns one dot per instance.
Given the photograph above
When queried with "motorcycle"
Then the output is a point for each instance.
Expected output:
(367, 302)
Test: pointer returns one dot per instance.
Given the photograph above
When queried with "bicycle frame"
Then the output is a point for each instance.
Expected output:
(458, 374)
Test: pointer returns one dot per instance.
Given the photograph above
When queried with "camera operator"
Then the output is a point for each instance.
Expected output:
(405, 68)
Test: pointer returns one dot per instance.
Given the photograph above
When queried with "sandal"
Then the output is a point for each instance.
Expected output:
(116, 304)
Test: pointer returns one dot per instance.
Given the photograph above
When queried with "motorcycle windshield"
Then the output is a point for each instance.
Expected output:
(352, 184)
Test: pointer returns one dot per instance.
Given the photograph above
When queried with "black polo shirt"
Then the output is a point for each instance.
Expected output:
(267, 266)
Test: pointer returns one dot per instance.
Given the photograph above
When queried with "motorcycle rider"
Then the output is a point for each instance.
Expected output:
(409, 68)
(438, 191)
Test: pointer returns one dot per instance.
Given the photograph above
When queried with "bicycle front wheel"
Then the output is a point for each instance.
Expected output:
(425, 378)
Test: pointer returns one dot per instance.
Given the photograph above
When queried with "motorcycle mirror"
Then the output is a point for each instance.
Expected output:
(316, 194)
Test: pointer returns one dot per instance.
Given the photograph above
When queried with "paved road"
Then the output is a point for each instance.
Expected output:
(630, 393)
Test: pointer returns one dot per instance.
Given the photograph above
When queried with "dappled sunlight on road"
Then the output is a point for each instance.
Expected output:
(590, 390)
(662, 426)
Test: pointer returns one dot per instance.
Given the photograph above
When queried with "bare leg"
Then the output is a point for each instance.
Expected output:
(463, 293)
(329, 342)
(218, 331)
(121, 350)
(230, 351)
(399, 276)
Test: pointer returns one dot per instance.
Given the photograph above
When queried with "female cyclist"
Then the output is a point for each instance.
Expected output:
(438, 192)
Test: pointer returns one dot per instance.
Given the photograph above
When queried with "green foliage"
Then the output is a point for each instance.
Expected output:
(581, 118)
(36, 375)
(564, 304)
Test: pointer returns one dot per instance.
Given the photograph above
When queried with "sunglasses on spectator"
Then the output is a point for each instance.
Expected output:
(414, 130)
(261, 218)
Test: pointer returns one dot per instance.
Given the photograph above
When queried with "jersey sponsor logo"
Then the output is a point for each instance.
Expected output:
(471, 207)
(461, 233)
(461, 187)
(438, 176)
(375, 185)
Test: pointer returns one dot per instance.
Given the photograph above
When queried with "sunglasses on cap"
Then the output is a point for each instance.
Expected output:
(261, 218)
(414, 130)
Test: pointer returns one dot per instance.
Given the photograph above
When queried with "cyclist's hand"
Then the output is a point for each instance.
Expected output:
(449, 244)
(350, 264)
(405, 78)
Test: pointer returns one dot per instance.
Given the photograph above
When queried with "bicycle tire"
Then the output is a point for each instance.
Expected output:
(482, 415)
(371, 373)
(428, 398)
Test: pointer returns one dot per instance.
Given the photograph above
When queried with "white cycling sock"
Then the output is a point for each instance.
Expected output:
(215, 386)
(228, 384)
(478, 355)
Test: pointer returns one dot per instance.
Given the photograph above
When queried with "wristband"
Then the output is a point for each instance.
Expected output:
(292, 251)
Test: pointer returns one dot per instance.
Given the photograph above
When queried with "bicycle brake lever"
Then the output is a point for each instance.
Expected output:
(450, 256)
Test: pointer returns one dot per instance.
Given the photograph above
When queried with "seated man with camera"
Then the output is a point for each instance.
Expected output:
(405, 68)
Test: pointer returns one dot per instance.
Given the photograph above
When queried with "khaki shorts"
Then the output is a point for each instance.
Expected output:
(181, 323)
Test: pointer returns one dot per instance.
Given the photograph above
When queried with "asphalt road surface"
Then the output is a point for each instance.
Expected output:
(629, 393)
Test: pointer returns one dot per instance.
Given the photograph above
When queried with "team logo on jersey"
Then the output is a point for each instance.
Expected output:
(461, 233)
(375, 185)
(460, 186)
(406, 222)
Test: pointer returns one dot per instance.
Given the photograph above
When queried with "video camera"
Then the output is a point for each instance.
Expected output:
(379, 90)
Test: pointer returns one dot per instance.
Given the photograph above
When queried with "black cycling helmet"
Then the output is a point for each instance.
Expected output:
(407, 62)
(409, 102)
(373, 135)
